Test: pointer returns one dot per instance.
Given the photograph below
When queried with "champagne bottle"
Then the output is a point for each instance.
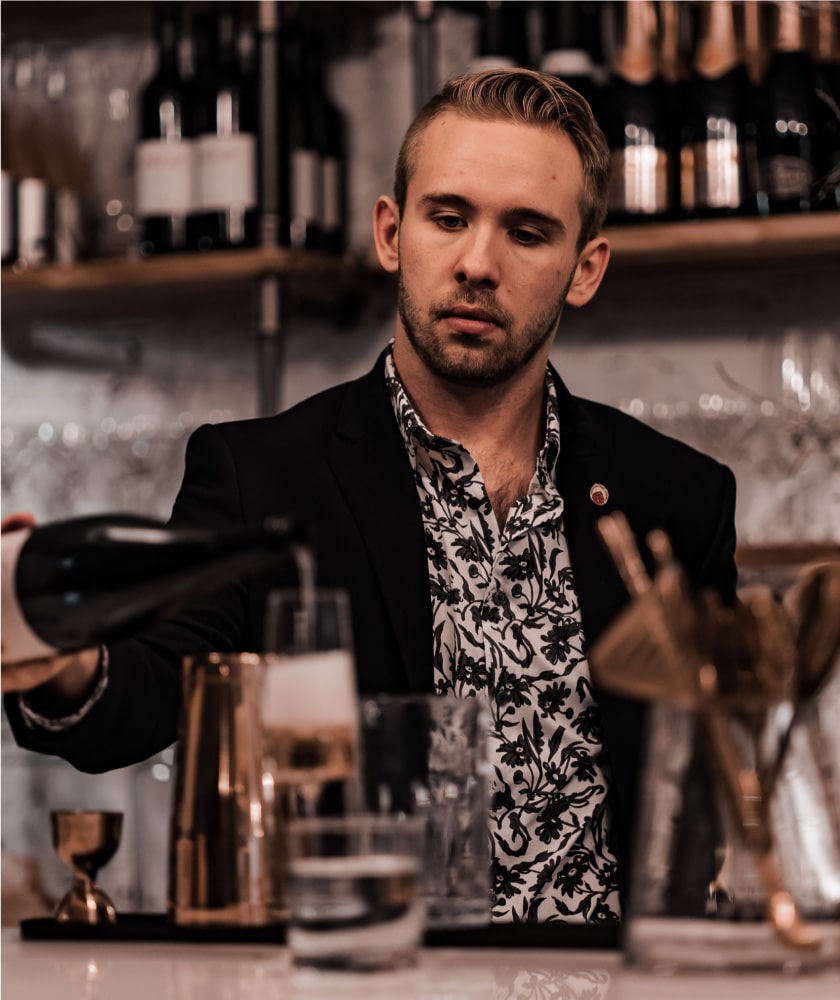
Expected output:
(503, 36)
(718, 108)
(828, 107)
(29, 153)
(331, 142)
(305, 167)
(224, 127)
(163, 157)
(635, 120)
(676, 74)
(568, 34)
(72, 584)
(8, 186)
(785, 119)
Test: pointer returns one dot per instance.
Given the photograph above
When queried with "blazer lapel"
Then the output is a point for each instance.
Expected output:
(585, 466)
(368, 458)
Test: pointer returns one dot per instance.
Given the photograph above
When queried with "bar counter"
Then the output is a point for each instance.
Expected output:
(86, 970)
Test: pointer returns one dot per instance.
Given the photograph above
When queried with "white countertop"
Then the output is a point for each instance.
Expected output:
(40, 970)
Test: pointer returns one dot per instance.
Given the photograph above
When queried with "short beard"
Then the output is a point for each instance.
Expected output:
(487, 368)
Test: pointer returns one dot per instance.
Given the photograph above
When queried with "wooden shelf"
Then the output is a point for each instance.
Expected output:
(781, 241)
(170, 281)
(772, 557)
(98, 285)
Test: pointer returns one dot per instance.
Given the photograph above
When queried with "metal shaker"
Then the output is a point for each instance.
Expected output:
(217, 850)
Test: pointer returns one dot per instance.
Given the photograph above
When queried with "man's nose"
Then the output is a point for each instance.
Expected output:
(478, 262)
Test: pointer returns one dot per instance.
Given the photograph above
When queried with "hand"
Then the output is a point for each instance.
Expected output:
(32, 673)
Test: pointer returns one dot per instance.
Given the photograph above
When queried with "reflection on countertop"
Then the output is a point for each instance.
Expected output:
(84, 971)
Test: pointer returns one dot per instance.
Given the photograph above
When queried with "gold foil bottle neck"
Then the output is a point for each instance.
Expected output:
(825, 42)
(674, 62)
(789, 34)
(717, 47)
(635, 57)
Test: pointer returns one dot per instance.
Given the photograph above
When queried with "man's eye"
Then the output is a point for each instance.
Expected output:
(526, 237)
(448, 221)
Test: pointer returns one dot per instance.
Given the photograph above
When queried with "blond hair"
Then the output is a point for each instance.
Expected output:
(530, 98)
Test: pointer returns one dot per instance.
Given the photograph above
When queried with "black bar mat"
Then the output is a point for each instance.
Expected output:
(155, 927)
(148, 927)
(571, 936)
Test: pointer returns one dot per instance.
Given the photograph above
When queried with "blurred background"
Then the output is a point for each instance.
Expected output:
(186, 198)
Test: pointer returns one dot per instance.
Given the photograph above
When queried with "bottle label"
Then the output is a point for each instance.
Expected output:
(163, 177)
(305, 194)
(786, 177)
(639, 180)
(226, 172)
(687, 196)
(7, 214)
(717, 173)
(18, 642)
(332, 194)
(34, 222)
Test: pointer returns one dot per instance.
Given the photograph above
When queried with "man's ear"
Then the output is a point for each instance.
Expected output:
(590, 270)
(386, 232)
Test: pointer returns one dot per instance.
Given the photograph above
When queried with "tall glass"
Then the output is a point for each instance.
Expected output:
(309, 704)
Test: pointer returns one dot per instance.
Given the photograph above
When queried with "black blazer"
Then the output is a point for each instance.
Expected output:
(338, 462)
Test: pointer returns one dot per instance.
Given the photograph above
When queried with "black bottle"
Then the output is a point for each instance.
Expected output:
(503, 36)
(785, 120)
(717, 116)
(827, 63)
(331, 142)
(675, 44)
(225, 212)
(569, 31)
(304, 168)
(635, 120)
(72, 584)
(163, 157)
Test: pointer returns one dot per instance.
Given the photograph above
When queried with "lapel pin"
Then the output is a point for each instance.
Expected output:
(599, 494)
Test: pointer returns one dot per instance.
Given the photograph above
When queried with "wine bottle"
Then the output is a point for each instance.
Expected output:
(635, 120)
(72, 584)
(676, 72)
(224, 130)
(163, 158)
(568, 33)
(718, 108)
(785, 119)
(503, 36)
(331, 142)
(305, 167)
(8, 187)
(828, 107)
(29, 160)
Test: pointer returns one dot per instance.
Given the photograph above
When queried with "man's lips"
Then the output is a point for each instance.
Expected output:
(464, 319)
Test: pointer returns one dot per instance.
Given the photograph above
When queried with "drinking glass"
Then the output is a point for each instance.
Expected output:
(309, 705)
(426, 755)
(355, 898)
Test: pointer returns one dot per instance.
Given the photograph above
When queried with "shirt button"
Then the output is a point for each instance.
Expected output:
(498, 597)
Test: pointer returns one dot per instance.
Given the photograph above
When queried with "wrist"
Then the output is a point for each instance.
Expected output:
(69, 689)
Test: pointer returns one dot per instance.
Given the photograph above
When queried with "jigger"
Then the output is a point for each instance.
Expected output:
(86, 840)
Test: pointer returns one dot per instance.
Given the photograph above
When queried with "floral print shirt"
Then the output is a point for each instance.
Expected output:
(506, 626)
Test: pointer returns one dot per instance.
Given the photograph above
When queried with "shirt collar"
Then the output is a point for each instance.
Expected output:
(417, 436)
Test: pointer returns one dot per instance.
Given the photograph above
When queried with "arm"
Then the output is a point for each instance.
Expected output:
(136, 714)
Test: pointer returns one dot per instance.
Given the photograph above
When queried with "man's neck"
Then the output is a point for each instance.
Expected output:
(502, 427)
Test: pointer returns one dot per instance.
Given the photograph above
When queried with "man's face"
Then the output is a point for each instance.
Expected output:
(486, 247)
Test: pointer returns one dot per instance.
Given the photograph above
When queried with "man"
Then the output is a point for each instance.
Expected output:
(454, 491)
